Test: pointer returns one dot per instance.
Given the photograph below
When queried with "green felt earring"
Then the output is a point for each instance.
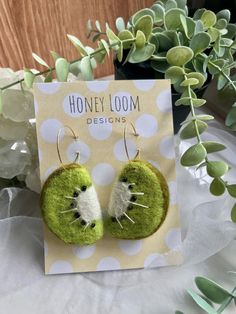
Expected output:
(139, 199)
(69, 203)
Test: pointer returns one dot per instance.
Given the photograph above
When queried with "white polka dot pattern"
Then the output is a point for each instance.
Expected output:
(103, 174)
(102, 151)
(49, 130)
(146, 125)
(84, 252)
(108, 263)
(61, 267)
(130, 247)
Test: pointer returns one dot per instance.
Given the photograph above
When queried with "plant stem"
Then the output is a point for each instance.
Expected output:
(227, 302)
(225, 75)
(53, 69)
(193, 112)
(222, 73)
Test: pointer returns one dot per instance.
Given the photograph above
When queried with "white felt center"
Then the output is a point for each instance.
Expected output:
(88, 205)
(119, 200)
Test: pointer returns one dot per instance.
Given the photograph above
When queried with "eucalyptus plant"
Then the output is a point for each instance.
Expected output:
(211, 293)
(187, 50)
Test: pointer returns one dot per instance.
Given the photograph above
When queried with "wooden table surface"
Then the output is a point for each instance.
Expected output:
(42, 25)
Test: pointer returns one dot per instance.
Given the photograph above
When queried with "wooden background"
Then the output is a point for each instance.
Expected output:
(42, 25)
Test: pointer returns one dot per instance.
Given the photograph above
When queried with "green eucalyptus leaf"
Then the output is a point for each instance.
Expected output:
(62, 69)
(212, 147)
(233, 215)
(200, 42)
(28, 78)
(172, 19)
(231, 31)
(92, 59)
(160, 66)
(190, 82)
(227, 42)
(170, 4)
(55, 55)
(217, 187)
(198, 102)
(216, 169)
(144, 24)
(77, 43)
(140, 39)
(202, 303)
(86, 68)
(232, 190)
(198, 14)
(126, 35)
(153, 40)
(142, 54)
(120, 53)
(178, 312)
(98, 26)
(173, 36)
(179, 56)
(184, 24)
(214, 33)
(224, 14)
(131, 51)
(159, 12)
(198, 27)
(175, 74)
(201, 117)
(113, 39)
(208, 19)
(120, 24)
(215, 66)
(189, 131)
(198, 76)
(48, 78)
(100, 57)
(193, 156)
(181, 4)
(231, 118)
(222, 81)
(204, 117)
(212, 290)
(89, 25)
(141, 13)
(159, 56)
(40, 60)
(221, 24)
(105, 45)
(191, 26)
(164, 41)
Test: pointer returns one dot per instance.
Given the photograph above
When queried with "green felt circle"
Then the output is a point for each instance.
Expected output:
(61, 183)
(152, 183)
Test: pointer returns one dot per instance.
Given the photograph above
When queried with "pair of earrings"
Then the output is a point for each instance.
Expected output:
(138, 204)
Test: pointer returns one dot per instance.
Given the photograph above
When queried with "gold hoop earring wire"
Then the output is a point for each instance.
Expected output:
(125, 141)
(75, 137)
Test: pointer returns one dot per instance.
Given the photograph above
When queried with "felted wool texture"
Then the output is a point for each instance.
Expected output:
(148, 180)
(57, 197)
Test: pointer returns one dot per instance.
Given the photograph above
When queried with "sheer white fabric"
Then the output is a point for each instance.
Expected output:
(208, 248)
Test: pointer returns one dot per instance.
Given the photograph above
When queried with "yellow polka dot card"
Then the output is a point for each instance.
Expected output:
(107, 168)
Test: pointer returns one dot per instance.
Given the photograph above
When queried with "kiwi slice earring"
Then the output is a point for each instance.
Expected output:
(139, 199)
(69, 203)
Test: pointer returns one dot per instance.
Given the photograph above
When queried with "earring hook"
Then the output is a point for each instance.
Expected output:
(75, 137)
(125, 141)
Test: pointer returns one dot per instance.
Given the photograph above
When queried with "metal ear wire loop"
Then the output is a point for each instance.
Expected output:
(75, 137)
(137, 156)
